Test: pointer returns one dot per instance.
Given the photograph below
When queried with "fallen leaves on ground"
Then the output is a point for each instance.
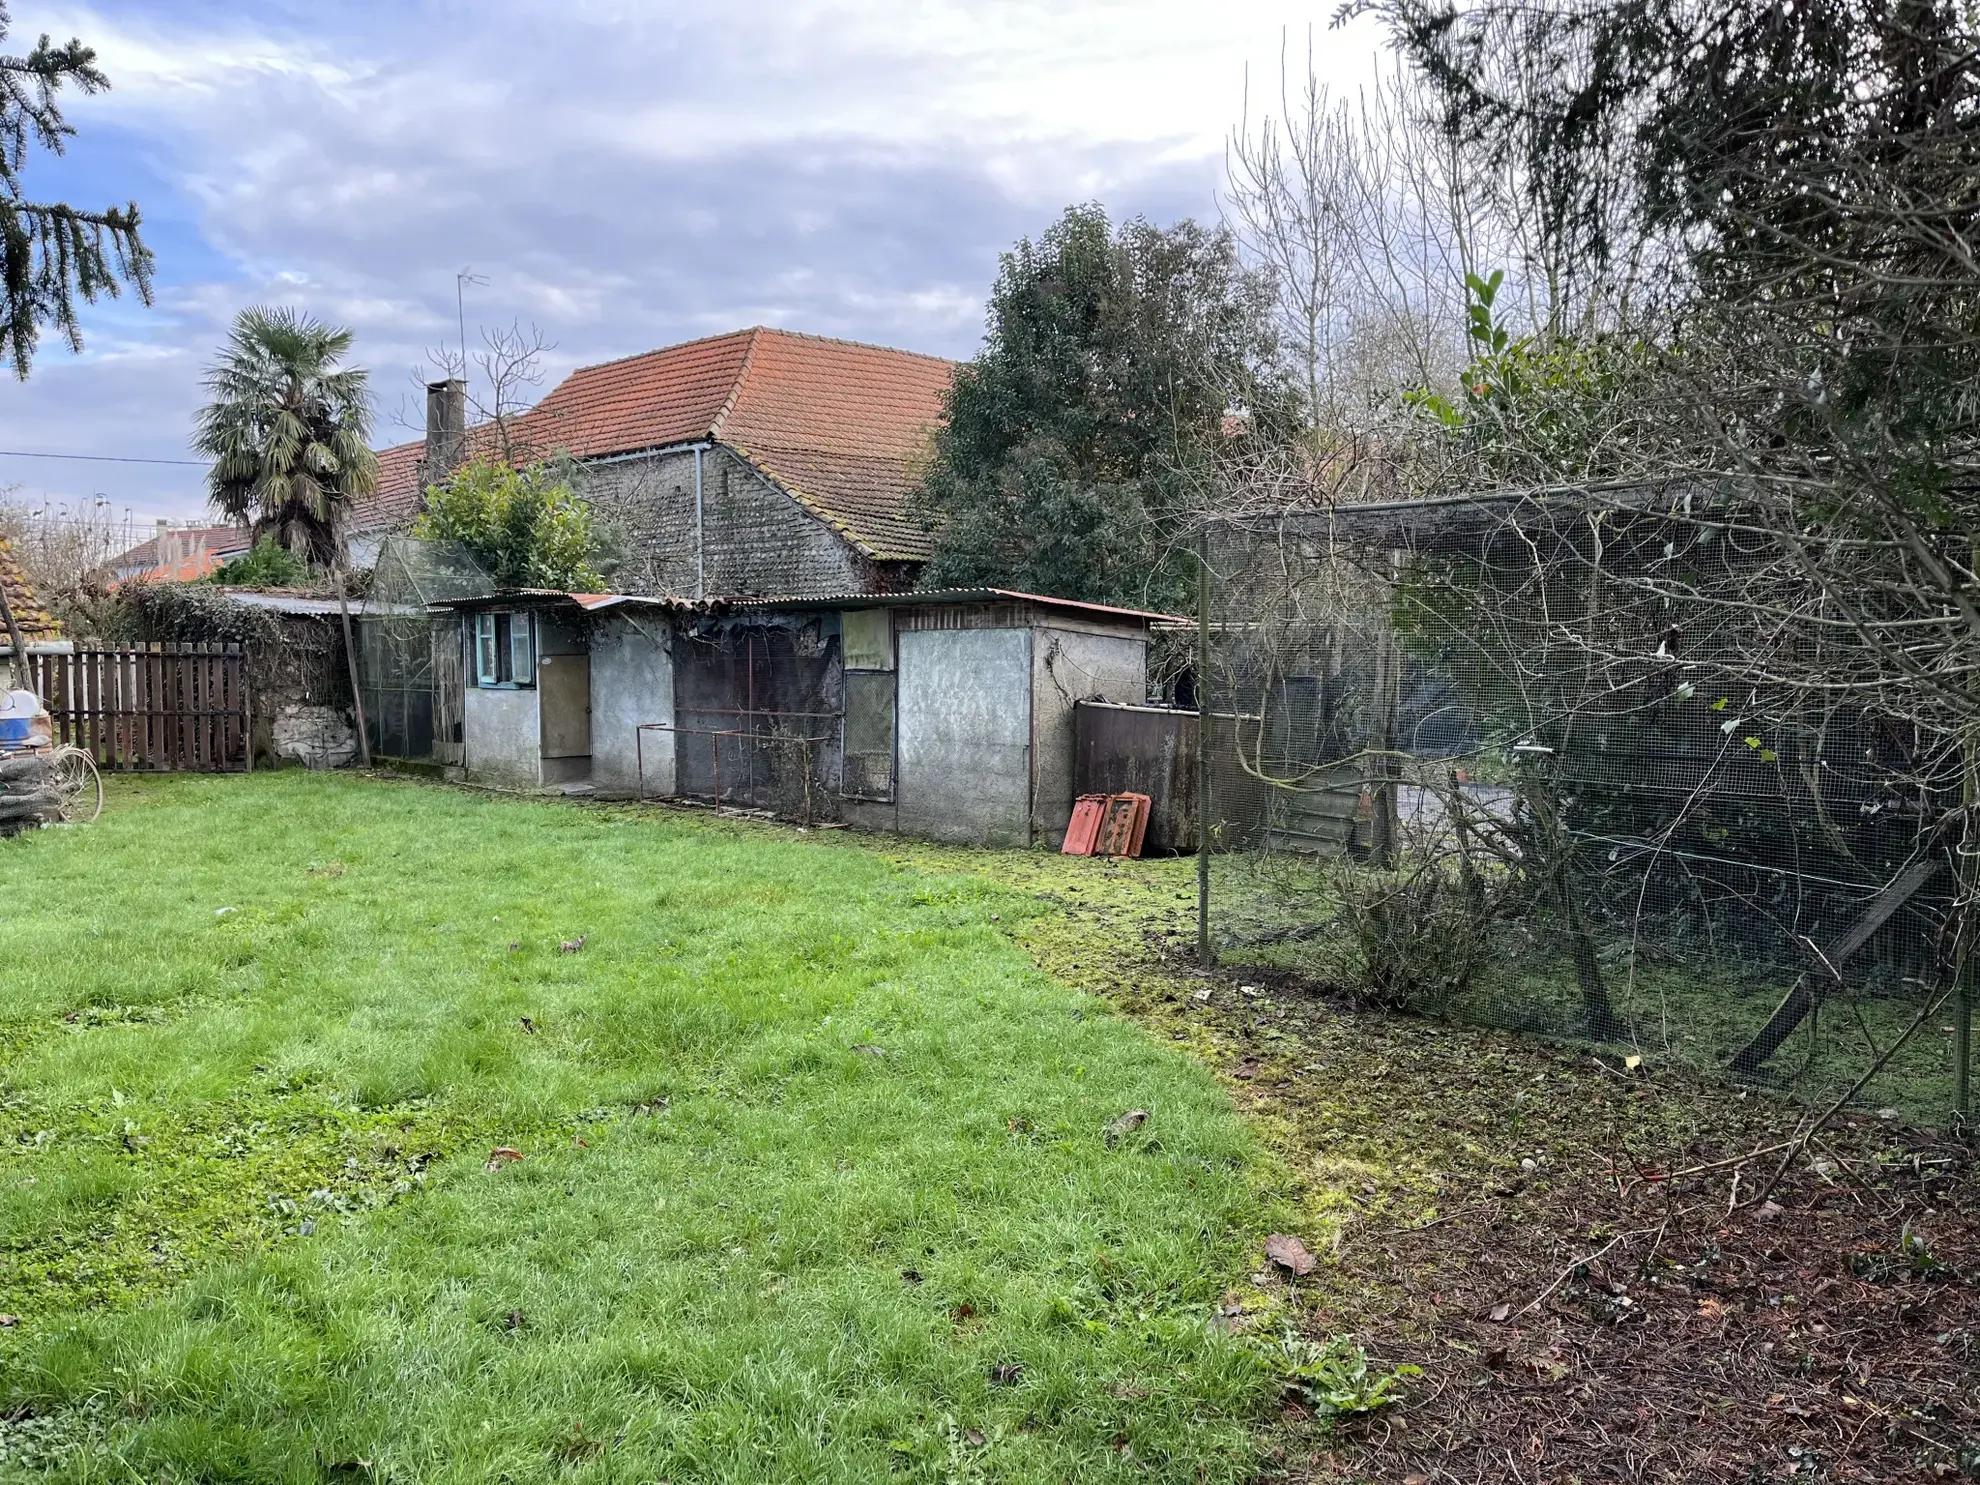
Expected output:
(1830, 1332)
(1290, 1254)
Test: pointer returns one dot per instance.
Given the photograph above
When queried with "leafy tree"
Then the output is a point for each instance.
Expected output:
(288, 430)
(526, 527)
(1542, 409)
(1080, 441)
(1803, 182)
(49, 251)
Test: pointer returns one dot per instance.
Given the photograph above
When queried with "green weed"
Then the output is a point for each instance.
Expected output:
(1334, 1375)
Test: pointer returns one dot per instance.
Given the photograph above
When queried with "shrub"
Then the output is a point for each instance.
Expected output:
(526, 527)
(193, 613)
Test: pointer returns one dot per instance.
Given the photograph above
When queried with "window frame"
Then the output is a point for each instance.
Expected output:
(504, 649)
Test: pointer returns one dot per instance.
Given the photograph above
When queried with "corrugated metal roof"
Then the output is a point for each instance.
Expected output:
(281, 601)
(954, 595)
(595, 601)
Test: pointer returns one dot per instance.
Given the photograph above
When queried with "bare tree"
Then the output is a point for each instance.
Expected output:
(1377, 225)
(502, 400)
(63, 546)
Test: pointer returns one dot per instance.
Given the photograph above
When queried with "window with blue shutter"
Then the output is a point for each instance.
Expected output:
(504, 650)
(522, 651)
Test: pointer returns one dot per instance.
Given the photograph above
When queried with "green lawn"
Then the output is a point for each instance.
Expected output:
(814, 1181)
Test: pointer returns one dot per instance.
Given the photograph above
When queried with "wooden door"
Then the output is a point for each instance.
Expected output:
(563, 688)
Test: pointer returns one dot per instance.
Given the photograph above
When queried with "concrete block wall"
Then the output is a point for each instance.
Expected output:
(759, 540)
(632, 681)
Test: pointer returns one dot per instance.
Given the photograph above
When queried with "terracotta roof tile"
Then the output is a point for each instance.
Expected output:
(394, 502)
(836, 423)
(34, 620)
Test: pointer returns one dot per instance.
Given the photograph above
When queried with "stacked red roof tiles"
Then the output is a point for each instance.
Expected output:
(837, 424)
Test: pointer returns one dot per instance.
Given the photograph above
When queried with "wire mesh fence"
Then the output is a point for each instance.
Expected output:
(1470, 760)
(758, 717)
(410, 658)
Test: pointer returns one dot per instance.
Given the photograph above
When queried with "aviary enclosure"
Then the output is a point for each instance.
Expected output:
(1542, 762)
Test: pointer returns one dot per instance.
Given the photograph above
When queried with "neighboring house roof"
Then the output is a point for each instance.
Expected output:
(186, 553)
(394, 503)
(35, 621)
(837, 424)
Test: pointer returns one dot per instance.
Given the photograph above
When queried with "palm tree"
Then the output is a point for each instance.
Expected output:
(288, 430)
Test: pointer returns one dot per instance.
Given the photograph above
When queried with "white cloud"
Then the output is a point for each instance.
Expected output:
(623, 173)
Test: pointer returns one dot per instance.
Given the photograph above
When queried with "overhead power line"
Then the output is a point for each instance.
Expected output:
(97, 458)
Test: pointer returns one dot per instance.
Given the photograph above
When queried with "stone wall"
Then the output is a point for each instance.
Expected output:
(301, 694)
(757, 539)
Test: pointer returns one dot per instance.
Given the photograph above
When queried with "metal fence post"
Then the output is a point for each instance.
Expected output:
(1203, 745)
(1963, 1040)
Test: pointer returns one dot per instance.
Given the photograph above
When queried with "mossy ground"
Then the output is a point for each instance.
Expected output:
(1692, 1009)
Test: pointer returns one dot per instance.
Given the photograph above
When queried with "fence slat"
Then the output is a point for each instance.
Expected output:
(150, 708)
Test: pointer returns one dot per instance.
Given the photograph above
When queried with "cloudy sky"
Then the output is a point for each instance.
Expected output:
(620, 173)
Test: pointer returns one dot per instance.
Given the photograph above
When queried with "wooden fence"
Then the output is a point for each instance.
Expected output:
(152, 708)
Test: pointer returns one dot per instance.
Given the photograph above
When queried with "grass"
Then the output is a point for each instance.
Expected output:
(813, 1181)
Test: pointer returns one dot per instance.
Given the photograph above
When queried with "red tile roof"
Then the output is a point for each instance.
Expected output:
(837, 424)
(194, 551)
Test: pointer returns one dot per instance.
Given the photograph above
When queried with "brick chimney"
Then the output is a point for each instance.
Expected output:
(446, 429)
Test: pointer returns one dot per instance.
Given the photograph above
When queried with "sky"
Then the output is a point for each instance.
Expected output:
(618, 175)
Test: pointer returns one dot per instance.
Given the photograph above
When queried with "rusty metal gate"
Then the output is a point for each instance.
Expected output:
(159, 708)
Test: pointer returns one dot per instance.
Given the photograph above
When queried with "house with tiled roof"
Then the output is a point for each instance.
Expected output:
(758, 462)
(178, 554)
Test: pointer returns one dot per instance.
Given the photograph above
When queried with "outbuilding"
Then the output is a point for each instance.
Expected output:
(944, 714)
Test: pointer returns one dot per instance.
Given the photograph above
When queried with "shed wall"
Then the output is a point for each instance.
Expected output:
(632, 681)
(503, 737)
(1069, 666)
(964, 714)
